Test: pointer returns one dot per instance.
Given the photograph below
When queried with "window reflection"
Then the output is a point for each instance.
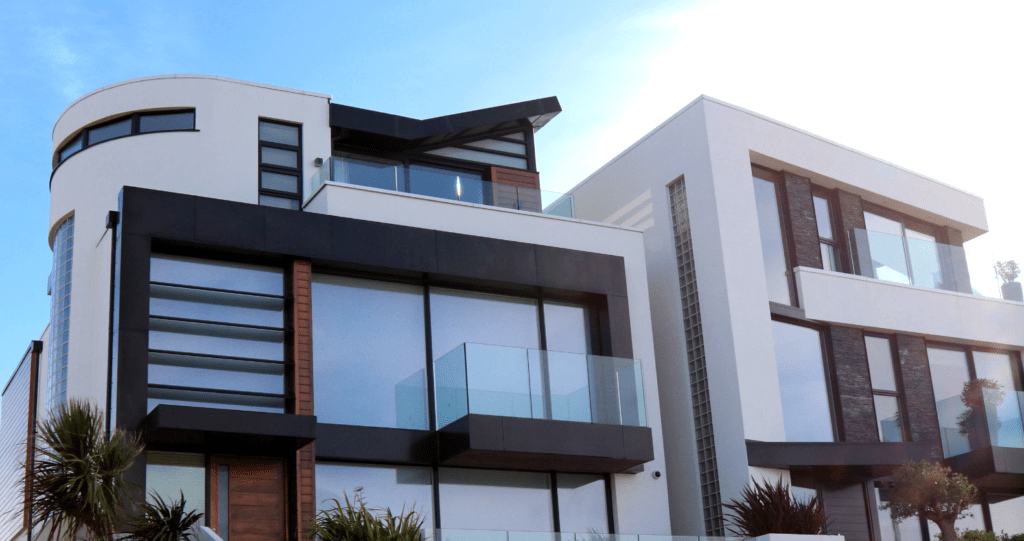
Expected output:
(805, 402)
(772, 247)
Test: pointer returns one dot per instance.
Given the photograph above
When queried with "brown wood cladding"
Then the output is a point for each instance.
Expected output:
(803, 225)
(256, 498)
(515, 177)
(302, 323)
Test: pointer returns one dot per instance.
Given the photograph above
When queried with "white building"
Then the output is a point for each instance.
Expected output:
(292, 298)
(813, 319)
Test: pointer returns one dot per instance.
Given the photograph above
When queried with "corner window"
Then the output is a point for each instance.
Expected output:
(806, 408)
(884, 388)
(280, 164)
(773, 246)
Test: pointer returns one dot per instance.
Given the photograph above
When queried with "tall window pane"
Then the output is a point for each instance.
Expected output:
(369, 365)
(582, 503)
(457, 317)
(885, 241)
(880, 363)
(772, 247)
(566, 327)
(172, 474)
(949, 374)
(823, 217)
(887, 411)
(60, 314)
(805, 403)
(495, 500)
(906, 530)
(383, 487)
(1002, 406)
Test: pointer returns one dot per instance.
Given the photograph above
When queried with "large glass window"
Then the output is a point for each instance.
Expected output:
(495, 500)
(772, 241)
(883, 384)
(582, 503)
(806, 410)
(172, 475)
(949, 374)
(216, 334)
(369, 350)
(904, 255)
(60, 314)
(1002, 398)
(457, 317)
(383, 487)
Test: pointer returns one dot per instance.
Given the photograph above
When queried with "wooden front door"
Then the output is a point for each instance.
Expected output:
(248, 499)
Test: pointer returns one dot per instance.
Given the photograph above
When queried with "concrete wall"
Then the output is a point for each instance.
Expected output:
(641, 502)
(218, 160)
(713, 144)
(948, 316)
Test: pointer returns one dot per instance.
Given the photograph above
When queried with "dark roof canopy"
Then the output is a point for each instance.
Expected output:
(363, 127)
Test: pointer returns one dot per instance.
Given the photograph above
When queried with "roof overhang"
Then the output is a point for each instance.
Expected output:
(836, 463)
(362, 127)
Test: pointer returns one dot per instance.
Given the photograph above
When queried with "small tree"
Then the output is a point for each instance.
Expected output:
(75, 484)
(1007, 271)
(978, 394)
(933, 492)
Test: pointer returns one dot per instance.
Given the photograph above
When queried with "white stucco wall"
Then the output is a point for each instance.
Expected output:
(218, 160)
(847, 299)
(713, 145)
(641, 502)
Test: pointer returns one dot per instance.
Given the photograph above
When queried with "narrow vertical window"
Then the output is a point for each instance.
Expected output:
(280, 165)
(60, 315)
(773, 246)
(806, 407)
(884, 388)
(826, 233)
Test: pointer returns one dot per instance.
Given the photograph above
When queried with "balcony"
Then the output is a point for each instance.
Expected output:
(869, 303)
(441, 183)
(983, 435)
(909, 260)
(501, 406)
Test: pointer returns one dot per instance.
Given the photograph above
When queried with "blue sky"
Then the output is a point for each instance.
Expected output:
(929, 87)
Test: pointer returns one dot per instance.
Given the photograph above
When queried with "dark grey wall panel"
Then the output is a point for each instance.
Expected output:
(847, 513)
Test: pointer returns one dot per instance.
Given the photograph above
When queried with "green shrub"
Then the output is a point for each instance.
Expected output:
(356, 522)
(162, 521)
(980, 535)
(772, 509)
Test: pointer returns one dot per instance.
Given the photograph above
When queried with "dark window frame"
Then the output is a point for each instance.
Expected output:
(271, 168)
(819, 192)
(899, 393)
(828, 364)
(775, 178)
(135, 117)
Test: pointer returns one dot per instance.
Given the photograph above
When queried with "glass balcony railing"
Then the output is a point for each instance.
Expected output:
(994, 421)
(496, 535)
(442, 183)
(537, 384)
(906, 260)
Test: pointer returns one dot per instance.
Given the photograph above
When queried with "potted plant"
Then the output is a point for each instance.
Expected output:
(1008, 271)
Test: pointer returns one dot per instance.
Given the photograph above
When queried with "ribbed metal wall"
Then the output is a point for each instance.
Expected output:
(13, 432)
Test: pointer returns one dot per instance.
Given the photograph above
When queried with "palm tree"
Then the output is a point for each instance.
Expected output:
(75, 483)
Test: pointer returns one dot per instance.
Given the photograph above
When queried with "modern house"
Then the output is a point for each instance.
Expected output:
(814, 320)
(291, 299)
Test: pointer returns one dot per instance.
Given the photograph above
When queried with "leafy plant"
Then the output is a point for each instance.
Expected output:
(933, 492)
(162, 521)
(356, 522)
(75, 484)
(980, 535)
(772, 509)
(1007, 271)
(976, 395)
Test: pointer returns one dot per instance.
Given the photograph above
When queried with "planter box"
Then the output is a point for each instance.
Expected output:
(796, 537)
